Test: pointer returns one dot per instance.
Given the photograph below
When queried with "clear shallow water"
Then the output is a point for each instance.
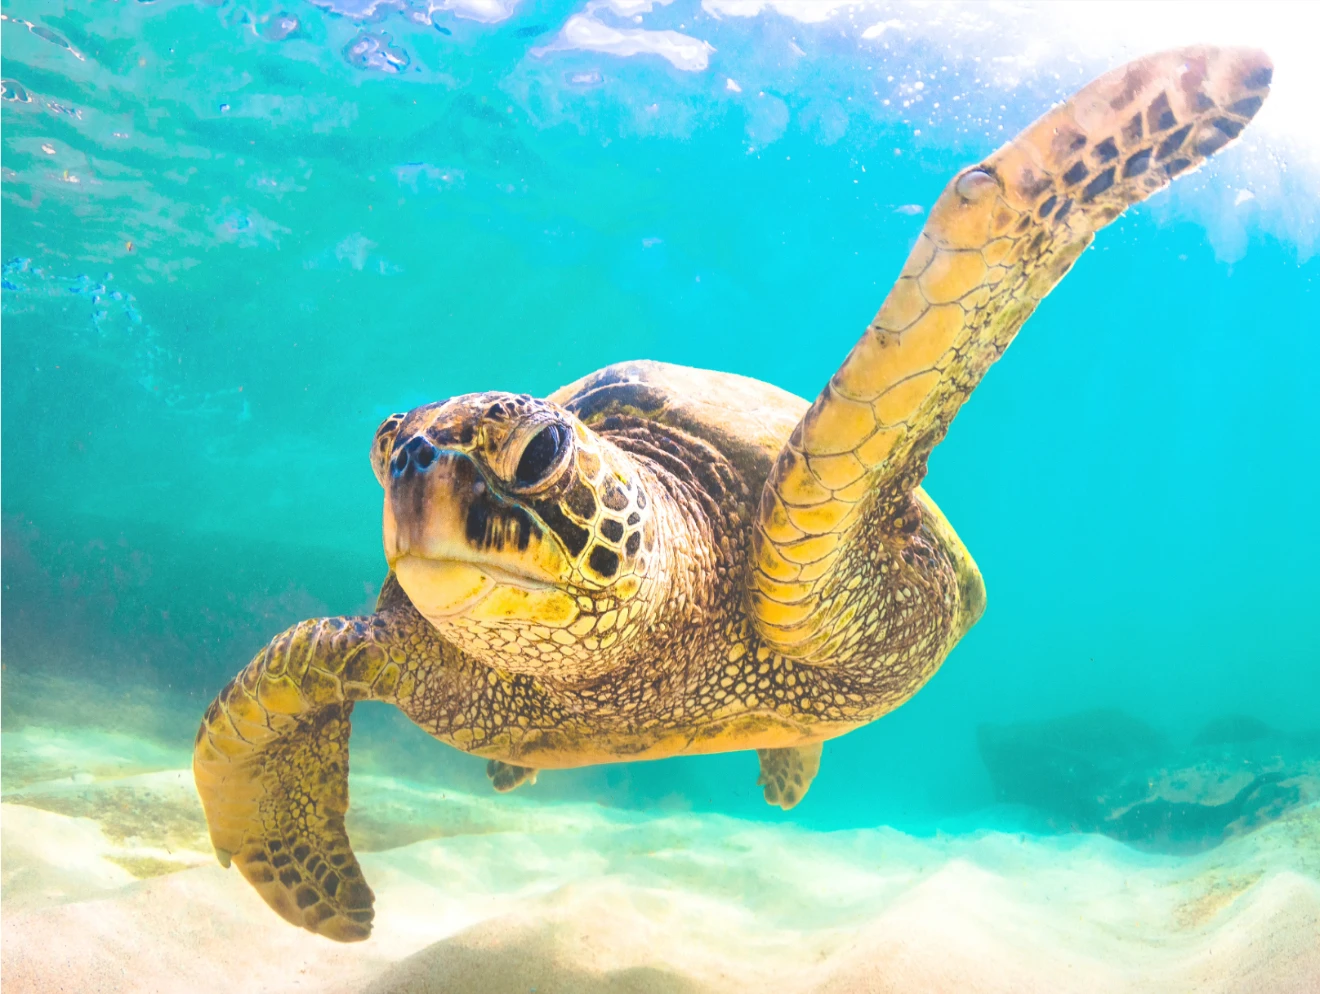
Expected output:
(237, 236)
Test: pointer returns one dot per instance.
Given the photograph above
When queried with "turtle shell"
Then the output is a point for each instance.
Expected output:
(748, 421)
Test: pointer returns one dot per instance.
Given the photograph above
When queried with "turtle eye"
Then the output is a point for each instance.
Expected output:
(380, 445)
(541, 455)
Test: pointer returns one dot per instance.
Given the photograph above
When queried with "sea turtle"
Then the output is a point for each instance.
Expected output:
(658, 561)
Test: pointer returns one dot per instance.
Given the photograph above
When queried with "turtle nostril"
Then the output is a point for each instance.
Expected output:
(419, 453)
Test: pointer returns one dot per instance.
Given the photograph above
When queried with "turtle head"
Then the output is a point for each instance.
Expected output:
(518, 532)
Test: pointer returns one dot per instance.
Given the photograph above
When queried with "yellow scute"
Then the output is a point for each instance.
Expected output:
(550, 607)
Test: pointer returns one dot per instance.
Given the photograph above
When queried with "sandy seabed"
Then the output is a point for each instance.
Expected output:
(109, 885)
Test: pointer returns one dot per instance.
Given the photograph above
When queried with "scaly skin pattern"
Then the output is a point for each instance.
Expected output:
(999, 238)
(659, 561)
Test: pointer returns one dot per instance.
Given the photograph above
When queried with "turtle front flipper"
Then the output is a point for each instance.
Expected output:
(786, 774)
(999, 238)
(271, 766)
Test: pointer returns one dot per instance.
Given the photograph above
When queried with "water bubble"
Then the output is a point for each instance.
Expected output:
(374, 50)
(281, 26)
(12, 89)
(51, 36)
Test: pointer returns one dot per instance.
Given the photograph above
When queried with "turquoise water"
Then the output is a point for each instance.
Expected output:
(236, 236)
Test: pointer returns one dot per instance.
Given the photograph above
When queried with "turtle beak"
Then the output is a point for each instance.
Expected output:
(459, 548)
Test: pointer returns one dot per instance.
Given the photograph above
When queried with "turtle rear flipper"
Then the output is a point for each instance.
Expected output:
(271, 766)
(786, 774)
(998, 239)
(504, 777)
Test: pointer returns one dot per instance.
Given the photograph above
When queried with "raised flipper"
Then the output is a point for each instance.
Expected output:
(505, 776)
(999, 238)
(786, 774)
(271, 766)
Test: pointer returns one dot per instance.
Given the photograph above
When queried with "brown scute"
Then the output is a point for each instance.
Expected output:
(1259, 78)
(604, 561)
(1074, 175)
(1159, 117)
(1136, 163)
(614, 498)
(581, 501)
(494, 525)
(573, 535)
(1105, 151)
(588, 465)
(1136, 75)
(1247, 108)
(1228, 126)
(1098, 185)
(1174, 142)
(1212, 143)
(1132, 130)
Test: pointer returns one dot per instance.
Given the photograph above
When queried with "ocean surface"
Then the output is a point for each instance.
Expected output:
(238, 235)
